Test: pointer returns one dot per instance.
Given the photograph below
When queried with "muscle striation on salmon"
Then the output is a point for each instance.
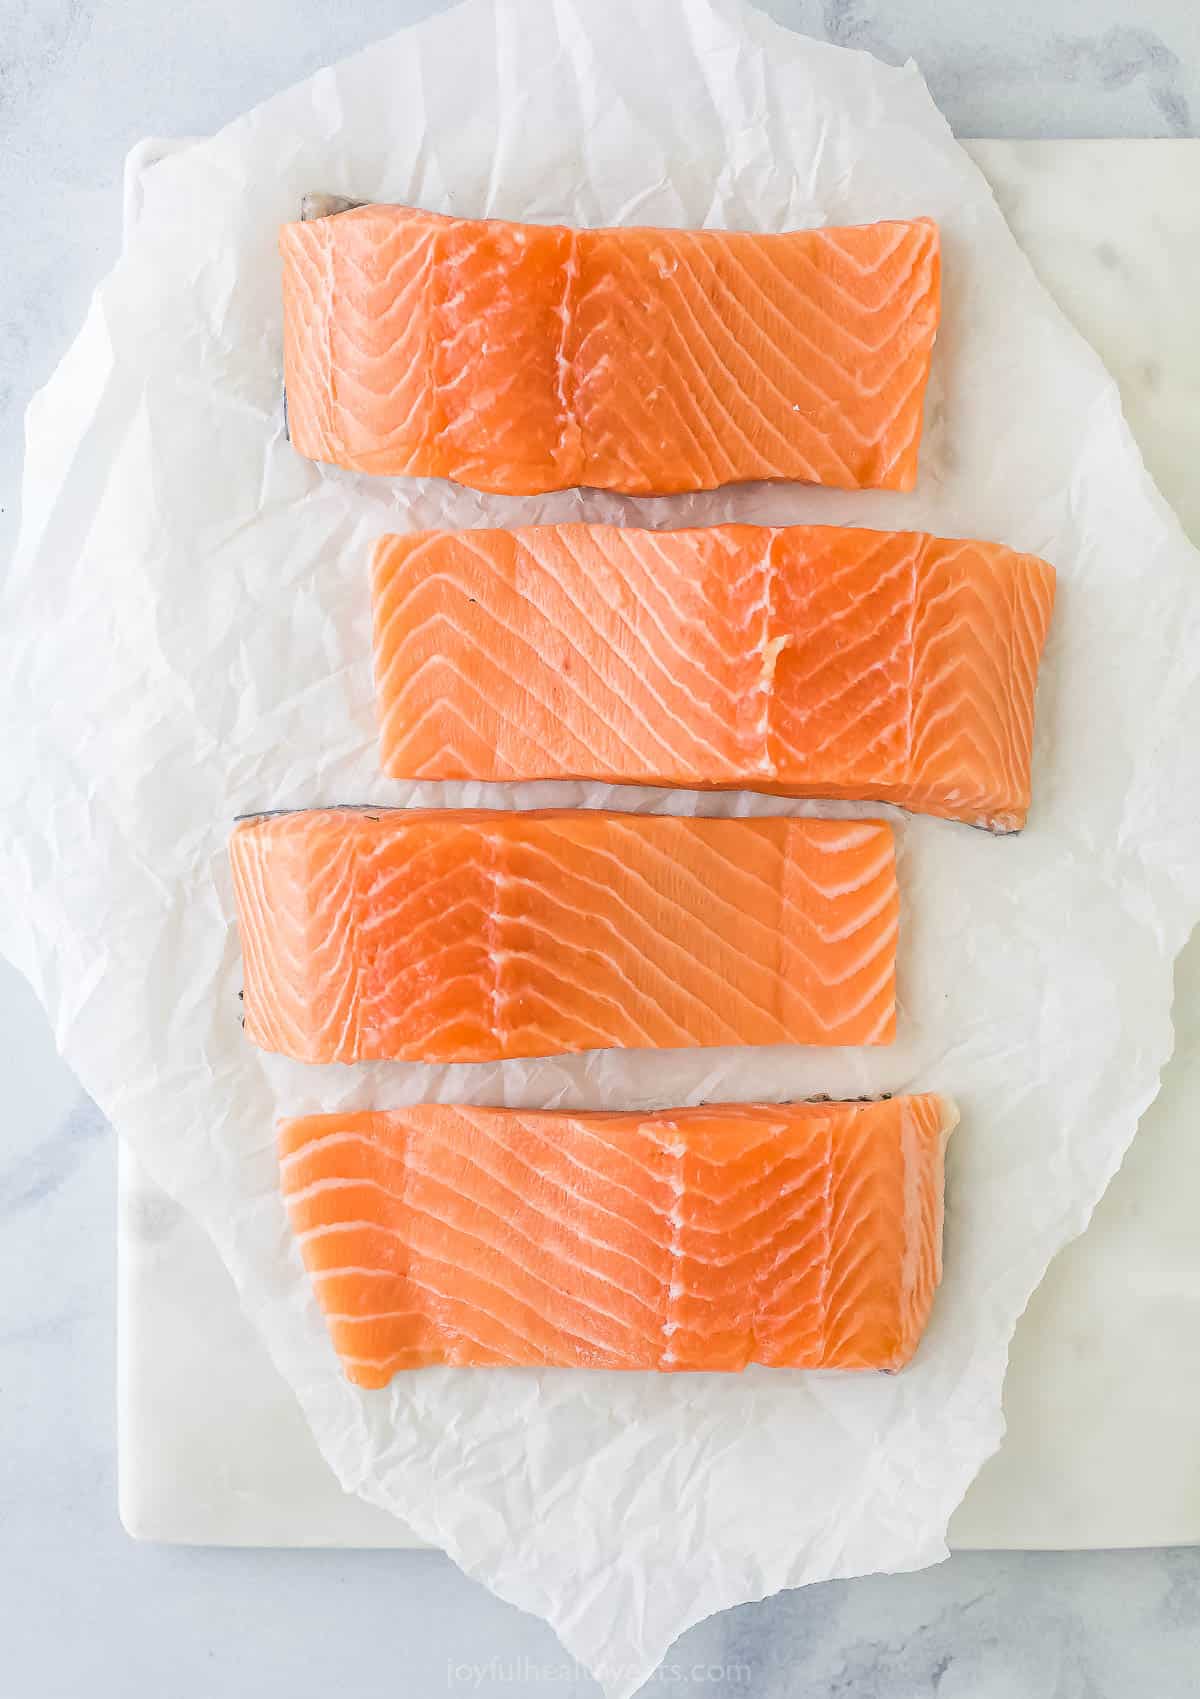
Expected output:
(809, 660)
(522, 358)
(448, 936)
(795, 1235)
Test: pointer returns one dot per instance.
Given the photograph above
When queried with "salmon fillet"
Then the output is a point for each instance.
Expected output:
(447, 936)
(522, 358)
(805, 659)
(797, 1235)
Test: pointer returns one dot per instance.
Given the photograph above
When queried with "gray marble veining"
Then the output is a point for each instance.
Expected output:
(84, 1609)
(1066, 68)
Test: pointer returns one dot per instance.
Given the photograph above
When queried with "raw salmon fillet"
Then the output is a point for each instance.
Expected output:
(448, 936)
(799, 1235)
(523, 357)
(804, 659)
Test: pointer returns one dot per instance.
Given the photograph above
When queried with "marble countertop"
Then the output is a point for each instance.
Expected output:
(84, 1607)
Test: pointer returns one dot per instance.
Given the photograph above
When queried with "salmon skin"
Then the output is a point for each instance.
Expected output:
(801, 1235)
(808, 660)
(522, 358)
(445, 936)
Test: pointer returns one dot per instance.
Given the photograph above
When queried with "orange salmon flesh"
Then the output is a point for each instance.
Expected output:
(522, 358)
(800, 1235)
(806, 659)
(446, 936)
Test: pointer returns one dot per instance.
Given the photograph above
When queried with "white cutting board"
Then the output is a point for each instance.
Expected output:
(1104, 1379)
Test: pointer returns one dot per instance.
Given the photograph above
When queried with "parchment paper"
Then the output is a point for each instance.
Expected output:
(186, 638)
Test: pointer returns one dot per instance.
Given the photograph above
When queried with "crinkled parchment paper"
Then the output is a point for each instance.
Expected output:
(186, 639)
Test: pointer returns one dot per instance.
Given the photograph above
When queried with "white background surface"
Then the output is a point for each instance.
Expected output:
(81, 1607)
